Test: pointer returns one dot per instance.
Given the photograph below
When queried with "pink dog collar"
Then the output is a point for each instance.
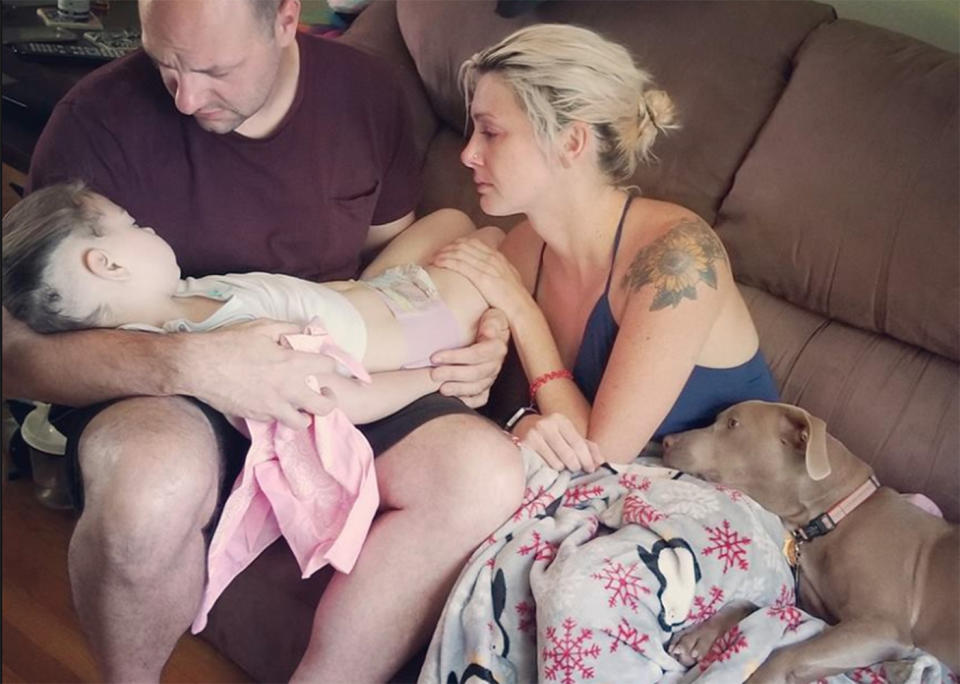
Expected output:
(825, 522)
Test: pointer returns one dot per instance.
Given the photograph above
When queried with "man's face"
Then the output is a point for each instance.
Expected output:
(217, 60)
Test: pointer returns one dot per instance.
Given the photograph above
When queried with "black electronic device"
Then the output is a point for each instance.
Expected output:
(96, 47)
(38, 34)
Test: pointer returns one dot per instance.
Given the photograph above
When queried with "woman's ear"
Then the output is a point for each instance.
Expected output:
(576, 140)
(99, 263)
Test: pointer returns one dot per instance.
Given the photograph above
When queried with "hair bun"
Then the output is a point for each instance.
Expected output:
(658, 107)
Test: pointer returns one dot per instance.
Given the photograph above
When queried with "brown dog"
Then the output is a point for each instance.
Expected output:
(884, 573)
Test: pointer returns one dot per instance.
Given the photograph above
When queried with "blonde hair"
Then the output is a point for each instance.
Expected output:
(562, 73)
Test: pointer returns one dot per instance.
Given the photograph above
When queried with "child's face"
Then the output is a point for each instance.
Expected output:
(150, 262)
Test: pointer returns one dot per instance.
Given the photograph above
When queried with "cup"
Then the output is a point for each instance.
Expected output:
(74, 10)
(47, 448)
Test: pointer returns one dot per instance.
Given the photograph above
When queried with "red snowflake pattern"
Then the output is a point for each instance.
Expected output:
(627, 635)
(729, 545)
(639, 511)
(734, 494)
(625, 585)
(527, 615)
(541, 550)
(534, 503)
(634, 481)
(581, 493)
(869, 675)
(786, 610)
(733, 641)
(702, 609)
(568, 653)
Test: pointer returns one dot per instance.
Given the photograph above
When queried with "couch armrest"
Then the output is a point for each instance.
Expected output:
(375, 30)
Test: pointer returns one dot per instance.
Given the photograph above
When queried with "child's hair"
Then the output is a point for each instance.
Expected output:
(562, 73)
(32, 231)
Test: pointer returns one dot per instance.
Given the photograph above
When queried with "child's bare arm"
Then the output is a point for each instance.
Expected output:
(389, 392)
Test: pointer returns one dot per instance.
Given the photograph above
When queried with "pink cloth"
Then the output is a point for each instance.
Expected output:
(315, 486)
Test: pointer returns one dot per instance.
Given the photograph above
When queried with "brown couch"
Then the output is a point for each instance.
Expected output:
(824, 152)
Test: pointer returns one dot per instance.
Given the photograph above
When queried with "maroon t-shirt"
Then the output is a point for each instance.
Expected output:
(299, 201)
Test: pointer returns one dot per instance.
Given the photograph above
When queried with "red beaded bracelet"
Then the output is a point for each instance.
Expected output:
(545, 378)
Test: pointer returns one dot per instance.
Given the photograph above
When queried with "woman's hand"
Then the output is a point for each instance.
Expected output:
(559, 443)
(488, 269)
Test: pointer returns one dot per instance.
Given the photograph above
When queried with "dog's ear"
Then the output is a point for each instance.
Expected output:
(808, 434)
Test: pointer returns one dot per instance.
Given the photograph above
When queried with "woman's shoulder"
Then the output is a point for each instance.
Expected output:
(672, 250)
(654, 214)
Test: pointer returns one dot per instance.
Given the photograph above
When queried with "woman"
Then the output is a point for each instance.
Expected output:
(623, 309)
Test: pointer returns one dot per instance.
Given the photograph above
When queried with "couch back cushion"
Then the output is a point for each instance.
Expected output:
(847, 205)
(724, 64)
(892, 404)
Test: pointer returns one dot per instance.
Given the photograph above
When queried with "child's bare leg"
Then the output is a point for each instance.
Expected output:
(418, 243)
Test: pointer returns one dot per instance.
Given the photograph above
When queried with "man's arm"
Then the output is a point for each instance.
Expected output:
(240, 370)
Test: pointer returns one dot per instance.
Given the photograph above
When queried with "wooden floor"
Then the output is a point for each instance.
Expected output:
(42, 641)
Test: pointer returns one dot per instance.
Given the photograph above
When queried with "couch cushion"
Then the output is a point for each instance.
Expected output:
(892, 404)
(724, 64)
(375, 31)
(848, 202)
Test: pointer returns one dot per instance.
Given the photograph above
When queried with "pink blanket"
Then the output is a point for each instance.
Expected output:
(315, 486)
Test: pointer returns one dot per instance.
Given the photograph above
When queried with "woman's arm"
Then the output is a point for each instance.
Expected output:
(676, 288)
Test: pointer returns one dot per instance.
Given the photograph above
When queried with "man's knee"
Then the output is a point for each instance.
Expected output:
(151, 469)
(483, 471)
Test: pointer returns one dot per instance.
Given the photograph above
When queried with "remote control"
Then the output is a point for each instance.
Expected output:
(79, 51)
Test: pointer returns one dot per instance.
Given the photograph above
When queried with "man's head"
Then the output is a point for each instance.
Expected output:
(72, 259)
(222, 61)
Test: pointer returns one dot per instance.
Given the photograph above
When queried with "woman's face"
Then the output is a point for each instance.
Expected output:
(510, 169)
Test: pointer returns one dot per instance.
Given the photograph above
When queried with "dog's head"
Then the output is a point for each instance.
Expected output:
(778, 454)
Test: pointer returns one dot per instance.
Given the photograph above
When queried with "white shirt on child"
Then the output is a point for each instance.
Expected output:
(249, 296)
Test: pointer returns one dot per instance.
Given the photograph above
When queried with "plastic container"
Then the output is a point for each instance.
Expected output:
(47, 448)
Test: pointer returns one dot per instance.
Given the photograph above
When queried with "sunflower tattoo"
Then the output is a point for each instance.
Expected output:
(675, 263)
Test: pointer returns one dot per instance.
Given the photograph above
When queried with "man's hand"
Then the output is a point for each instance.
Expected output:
(469, 372)
(242, 370)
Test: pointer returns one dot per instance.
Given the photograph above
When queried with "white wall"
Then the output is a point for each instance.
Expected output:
(935, 21)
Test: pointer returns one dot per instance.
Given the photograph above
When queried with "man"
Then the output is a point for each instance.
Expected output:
(296, 149)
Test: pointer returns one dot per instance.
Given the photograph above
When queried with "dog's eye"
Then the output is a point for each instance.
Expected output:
(732, 423)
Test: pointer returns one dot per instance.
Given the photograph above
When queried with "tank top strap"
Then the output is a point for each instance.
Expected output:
(536, 283)
(616, 240)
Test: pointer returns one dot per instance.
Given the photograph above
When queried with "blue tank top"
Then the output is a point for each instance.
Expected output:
(706, 392)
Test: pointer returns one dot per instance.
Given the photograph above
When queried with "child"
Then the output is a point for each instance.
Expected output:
(72, 259)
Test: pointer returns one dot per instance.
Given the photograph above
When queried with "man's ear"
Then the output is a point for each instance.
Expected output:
(99, 263)
(807, 434)
(287, 21)
(575, 141)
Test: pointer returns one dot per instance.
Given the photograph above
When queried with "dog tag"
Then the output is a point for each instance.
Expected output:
(790, 550)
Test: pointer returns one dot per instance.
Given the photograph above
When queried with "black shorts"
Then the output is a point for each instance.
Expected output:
(381, 434)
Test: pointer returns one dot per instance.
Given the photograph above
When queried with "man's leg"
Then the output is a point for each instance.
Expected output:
(444, 488)
(151, 470)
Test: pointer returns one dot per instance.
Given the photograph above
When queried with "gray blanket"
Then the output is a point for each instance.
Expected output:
(594, 573)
